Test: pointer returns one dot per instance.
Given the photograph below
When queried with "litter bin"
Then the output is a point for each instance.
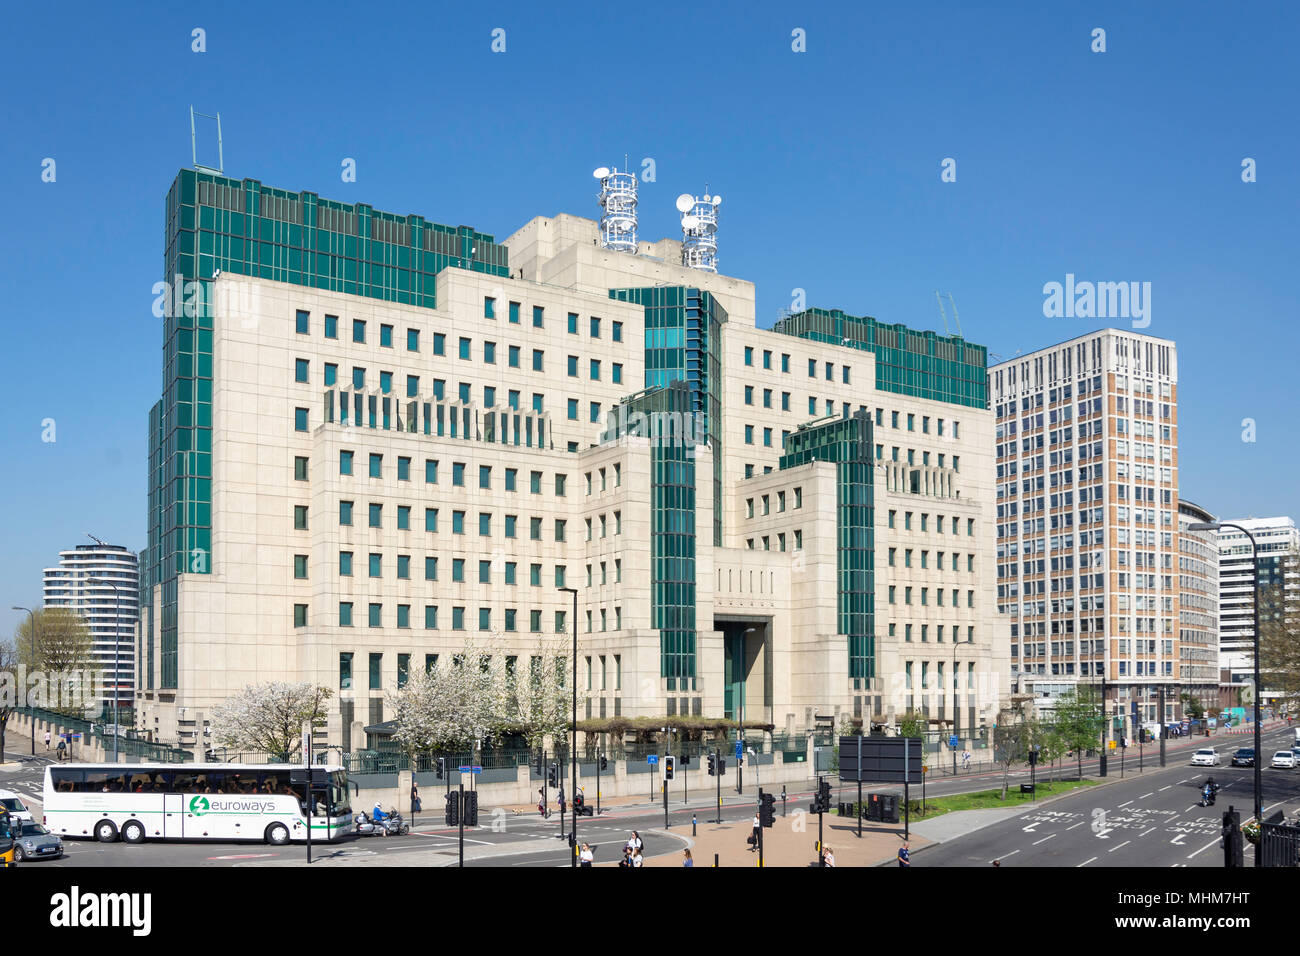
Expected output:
(1026, 788)
(882, 807)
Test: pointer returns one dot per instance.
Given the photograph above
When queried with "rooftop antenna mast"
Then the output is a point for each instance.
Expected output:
(194, 148)
(699, 231)
(617, 200)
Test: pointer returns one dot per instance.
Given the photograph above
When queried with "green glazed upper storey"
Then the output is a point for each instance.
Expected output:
(920, 364)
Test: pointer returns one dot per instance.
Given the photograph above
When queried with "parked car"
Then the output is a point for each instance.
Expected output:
(1244, 757)
(1283, 760)
(1206, 757)
(17, 809)
(37, 843)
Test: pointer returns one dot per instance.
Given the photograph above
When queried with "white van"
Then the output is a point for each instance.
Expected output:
(14, 804)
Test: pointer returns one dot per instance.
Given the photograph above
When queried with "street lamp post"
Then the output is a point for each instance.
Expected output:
(22, 691)
(117, 628)
(956, 711)
(1254, 551)
(573, 746)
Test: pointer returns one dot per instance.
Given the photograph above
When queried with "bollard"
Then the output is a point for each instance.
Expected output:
(693, 833)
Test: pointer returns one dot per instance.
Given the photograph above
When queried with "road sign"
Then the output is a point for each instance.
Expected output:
(952, 741)
(468, 769)
(740, 750)
(880, 759)
(652, 759)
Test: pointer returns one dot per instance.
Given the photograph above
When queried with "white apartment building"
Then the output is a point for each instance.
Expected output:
(386, 478)
(1276, 539)
(101, 584)
(1087, 504)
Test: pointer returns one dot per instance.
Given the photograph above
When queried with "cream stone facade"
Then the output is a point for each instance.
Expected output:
(381, 492)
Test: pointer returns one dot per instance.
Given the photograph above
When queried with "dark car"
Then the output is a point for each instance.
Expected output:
(1244, 757)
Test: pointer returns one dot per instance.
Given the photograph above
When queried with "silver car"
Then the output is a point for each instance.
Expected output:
(37, 843)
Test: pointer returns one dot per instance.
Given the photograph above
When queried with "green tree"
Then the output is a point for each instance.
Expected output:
(914, 724)
(8, 701)
(64, 656)
(1016, 731)
(1076, 725)
(1279, 631)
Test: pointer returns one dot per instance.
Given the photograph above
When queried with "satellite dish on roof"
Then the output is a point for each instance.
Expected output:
(684, 202)
(690, 222)
(601, 172)
(717, 200)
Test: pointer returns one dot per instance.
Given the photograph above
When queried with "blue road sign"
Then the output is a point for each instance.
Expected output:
(652, 759)
(740, 750)
(952, 741)
(469, 769)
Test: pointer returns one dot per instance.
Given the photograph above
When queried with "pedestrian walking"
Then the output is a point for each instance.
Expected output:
(416, 806)
(688, 859)
(637, 859)
(904, 855)
(560, 800)
(586, 857)
(47, 740)
(62, 749)
(753, 838)
(634, 843)
(965, 760)
(828, 857)
(541, 803)
(627, 856)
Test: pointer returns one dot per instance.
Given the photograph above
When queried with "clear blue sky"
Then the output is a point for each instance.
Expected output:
(1123, 165)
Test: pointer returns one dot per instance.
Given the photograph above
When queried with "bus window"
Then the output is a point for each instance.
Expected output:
(65, 781)
(183, 782)
(94, 781)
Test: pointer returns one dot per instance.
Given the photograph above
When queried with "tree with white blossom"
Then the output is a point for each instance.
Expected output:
(541, 695)
(268, 718)
(455, 705)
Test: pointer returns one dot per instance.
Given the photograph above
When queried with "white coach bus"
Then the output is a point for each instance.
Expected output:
(193, 801)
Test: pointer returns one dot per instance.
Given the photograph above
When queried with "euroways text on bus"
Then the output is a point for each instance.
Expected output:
(193, 802)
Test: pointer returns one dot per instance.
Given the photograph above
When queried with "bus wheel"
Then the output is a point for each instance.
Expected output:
(105, 831)
(133, 832)
(277, 834)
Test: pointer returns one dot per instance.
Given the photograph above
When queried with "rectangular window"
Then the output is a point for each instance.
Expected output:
(485, 572)
(538, 355)
(403, 517)
(376, 516)
(345, 513)
(345, 462)
(573, 409)
(430, 622)
(300, 367)
(412, 340)
(345, 615)
(511, 475)
(359, 330)
(618, 331)
(489, 307)
(535, 575)
(439, 344)
(458, 570)
(489, 353)
(412, 386)
(331, 326)
(300, 419)
(376, 618)
(512, 356)
(303, 319)
(538, 314)
(458, 619)
(300, 517)
(485, 524)
(573, 323)
(430, 568)
(749, 355)
(404, 566)
(376, 465)
(458, 522)
(595, 370)
(345, 671)
(485, 619)
(431, 471)
(559, 529)
(617, 373)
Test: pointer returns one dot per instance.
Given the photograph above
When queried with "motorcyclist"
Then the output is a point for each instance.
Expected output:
(378, 814)
(1208, 790)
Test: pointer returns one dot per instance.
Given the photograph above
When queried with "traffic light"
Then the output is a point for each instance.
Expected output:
(537, 764)
(442, 767)
(713, 765)
(767, 810)
(604, 764)
(722, 766)
(669, 767)
(822, 803)
(1033, 756)
(686, 760)
(452, 816)
(471, 808)
(553, 776)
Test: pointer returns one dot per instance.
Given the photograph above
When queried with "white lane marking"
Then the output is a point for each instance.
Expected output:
(1126, 803)
(1214, 842)
(1178, 840)
(1145, 795)
(1145, 832)
(1012, 853)
(1085, 862)
(1044, 839)
(1194, 806)
(1163, 789)
(1079, 824)
(1114, 848)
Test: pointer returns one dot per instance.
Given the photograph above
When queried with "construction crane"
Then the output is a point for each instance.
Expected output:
(956, 319)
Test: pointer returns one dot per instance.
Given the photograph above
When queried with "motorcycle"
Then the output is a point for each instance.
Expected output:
(393, 824)
(365, 827)
(1208, 794)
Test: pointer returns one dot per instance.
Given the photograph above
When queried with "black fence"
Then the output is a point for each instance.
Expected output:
(1279, 844)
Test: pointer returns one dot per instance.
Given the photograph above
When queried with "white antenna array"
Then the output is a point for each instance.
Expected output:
(617, 200)
(699, 231)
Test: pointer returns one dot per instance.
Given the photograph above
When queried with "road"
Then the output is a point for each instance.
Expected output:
(1147, 820)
